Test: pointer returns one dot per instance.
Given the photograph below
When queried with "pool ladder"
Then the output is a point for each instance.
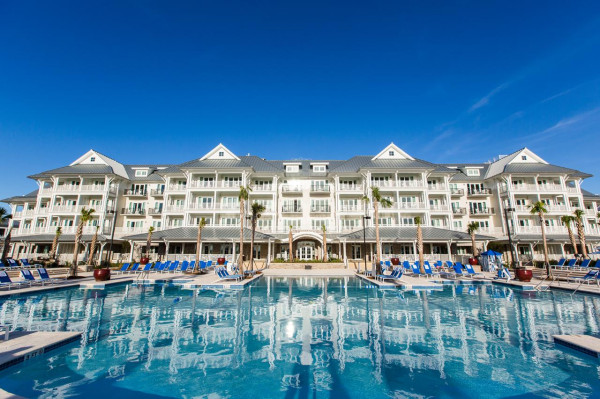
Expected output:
(142, 276)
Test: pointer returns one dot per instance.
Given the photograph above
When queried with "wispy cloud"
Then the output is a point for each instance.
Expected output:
(558, 127)
(485, 100)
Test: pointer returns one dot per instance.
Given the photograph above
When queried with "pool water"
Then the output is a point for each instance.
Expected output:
(306, 338)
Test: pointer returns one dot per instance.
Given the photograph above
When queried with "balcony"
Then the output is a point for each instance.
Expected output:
(550, 187)
(291, 209)
(155, 211)
(572, 190)
(412, 205)
(350, 208)
(262, 187)
(177, 187)
(538, 230)
(174, 208)
(436, 187)
(228, 208)
(438, 207)
(320, 209)
(202, 184)
(230, 184)
(133, 212)
(590, 212)
(157, 193)
(479, 192)
(457, 192)
(459, 211)
(550, 208)
(67, 208)
(287, 189)
(351, 187)
(201, 206)
(320, 189)
(135, 193)
(482, 212)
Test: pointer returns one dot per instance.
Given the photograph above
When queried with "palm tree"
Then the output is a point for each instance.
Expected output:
(86, 216)
(567, 220)
(580, 232)
(471, 229)
(324, 242)
(420, 243)
(55, 242)
(93, 245)
(290, 254)
(149, 240)
(385, 203)
(256, 210)
(201, 225)
(539, 208)
(242, 197)
(4, 215)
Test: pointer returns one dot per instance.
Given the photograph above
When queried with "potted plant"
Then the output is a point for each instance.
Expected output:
(101, 273)
(524, 273)
(395, 261)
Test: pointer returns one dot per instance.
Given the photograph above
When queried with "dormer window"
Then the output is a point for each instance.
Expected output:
(391, 153)
(291, 168)
(319, 168)
(93, 159)
(472, 172)
(141, 173)
(524, 157)
(221, 153)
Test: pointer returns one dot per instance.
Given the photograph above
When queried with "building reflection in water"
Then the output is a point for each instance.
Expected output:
(295, 337)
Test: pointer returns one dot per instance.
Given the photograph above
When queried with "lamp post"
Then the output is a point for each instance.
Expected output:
(365, 218)
(512, 254)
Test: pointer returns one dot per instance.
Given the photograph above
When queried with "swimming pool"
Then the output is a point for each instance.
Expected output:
(305, 337)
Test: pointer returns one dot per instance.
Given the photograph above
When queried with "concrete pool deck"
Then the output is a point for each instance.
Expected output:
(24, 345)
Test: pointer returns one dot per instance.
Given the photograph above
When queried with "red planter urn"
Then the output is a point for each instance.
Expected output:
(473, 261)
(144, 260)
(524, 275)
(221, 261)
(395, 261)
(102, 274)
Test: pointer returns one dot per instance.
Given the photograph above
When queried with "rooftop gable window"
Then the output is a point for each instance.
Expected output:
(472, 172)
(141, 173)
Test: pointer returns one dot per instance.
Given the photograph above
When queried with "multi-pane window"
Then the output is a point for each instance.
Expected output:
(350, 224)
(230, 202)
(295, 223)
(319, 205)
(318, 223)
(230, 221)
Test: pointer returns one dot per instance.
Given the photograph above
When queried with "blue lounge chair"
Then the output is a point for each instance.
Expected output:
(449, 265)
(25, 263)
(428, 270)
(406, 266)
(395, 275)
(223, 275)
(2, 265)
(416, 270)
(503, 273)
(572, 263)
(192, 266)
(471, 272)
(561, 263)
(455, 272)
(134, 268)
(165, 266)
(172, 268)
(12, 263)
(184, 266)
(28, 276)
(209, 264)
(439, 265)
(147, 268)
(6, 282)
(585, 264)
(123, 268)
(158, 266)
(591, 275)
(45, 277)
(201, 266)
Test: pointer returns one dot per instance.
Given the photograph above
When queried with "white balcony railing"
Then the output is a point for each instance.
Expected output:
(202, 184)
(436, 187)
(351, 187)
(177, 187)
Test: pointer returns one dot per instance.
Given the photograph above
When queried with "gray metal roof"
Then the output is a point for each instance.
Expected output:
(550, 238)
(21, 198)
(152, 176)
(209, 234)
(541, 168)
(589, 194)
(214, 164)
(409, 234)
(260, 165)
(76, 170)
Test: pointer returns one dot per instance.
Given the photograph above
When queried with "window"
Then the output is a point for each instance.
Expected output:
(141, 173)
(524, 157)
(93, 159)
(318, 223)
(292, 168)
(472, 172)
(221, 153)
(391, 153)
(319, 168)
(457, 224)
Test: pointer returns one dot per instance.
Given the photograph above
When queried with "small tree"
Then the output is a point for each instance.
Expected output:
(290, 238)
(149, 241)
(420, 244)
(471, 229)
(201, 225)
(93, 245)
(256, 210)
(84, 217)
(242, 197)
(4, 215)
(579, 215)
(378, 199)
(55, 242)
(567, 220)
(539, 208)
(324, 229)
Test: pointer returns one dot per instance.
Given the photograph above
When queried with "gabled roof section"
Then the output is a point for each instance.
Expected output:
(524, 155)
(21, 198)
(93, 157)
(392, 151)
(220, 152)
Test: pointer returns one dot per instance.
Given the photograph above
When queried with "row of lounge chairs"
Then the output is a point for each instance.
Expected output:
(572, 264)
(166, 267)
(28, 279)
(443, 269)
(13, 264)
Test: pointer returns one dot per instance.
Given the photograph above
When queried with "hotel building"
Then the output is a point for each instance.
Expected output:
(304, 196)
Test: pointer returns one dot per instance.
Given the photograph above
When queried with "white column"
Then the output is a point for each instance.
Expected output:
(345, 255)
(131, 245)
(449, 244)
(268, 252)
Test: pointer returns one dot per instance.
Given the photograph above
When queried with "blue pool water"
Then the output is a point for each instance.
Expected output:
(306, 338)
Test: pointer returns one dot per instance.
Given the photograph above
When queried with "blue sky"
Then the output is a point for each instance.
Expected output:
(164, 82)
